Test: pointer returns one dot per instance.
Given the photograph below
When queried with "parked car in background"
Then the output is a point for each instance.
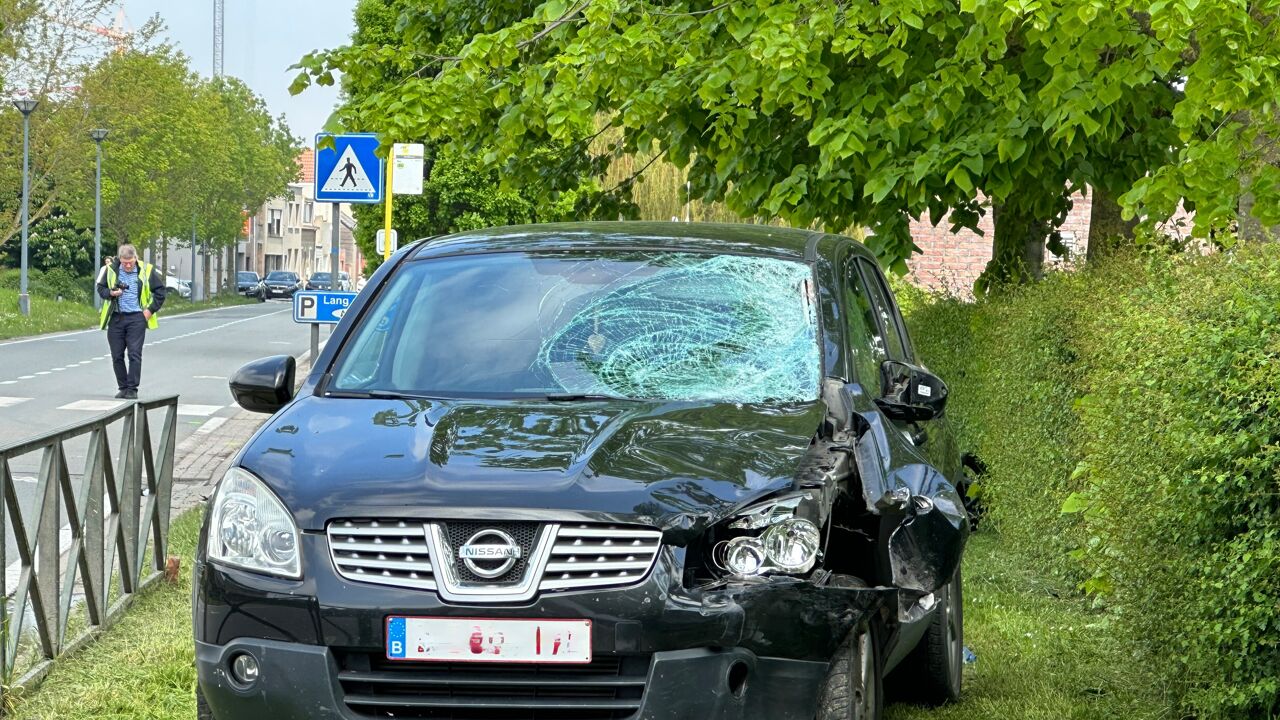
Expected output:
(592, 471)
(321, 280)
(250, 285)
(282, 284)
(181, 286)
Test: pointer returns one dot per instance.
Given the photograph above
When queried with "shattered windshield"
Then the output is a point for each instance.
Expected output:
(642, 325)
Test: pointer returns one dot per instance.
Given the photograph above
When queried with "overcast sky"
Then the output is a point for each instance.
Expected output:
(263, 38)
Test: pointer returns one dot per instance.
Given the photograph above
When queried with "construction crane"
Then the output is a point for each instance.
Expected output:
(118, 32)
(219, 20)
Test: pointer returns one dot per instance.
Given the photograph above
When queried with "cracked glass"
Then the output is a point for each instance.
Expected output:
(639, 325)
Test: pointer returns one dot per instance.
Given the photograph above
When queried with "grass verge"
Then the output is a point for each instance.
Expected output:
(49, 316)
(1040, 656)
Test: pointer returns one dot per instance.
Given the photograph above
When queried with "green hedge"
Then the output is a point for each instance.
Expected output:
(1129, 419)
(51, 284)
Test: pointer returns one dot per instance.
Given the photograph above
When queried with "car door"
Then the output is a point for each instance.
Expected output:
(932, 437)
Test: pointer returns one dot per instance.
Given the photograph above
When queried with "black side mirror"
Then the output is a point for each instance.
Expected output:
(911, 393)
(265, 385)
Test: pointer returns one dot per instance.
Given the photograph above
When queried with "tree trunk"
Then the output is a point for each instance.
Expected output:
(217, 282)
(205, 275)
(1017, 247)
(1108, 231)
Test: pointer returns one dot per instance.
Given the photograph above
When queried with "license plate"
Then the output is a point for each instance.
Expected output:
(488, 640)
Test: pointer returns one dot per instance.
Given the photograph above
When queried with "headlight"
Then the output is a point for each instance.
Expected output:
(788, 544)
(250, 528)
(792, 545)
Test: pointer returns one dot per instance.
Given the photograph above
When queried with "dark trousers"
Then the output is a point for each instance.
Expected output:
(126, 331)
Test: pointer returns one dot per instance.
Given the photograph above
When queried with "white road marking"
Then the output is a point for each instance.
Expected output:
(44, 372)
(198, 410)
(11, 401)
(92, 405)
(280, 342)
(26, 377)
(8, 382)
(211, 424)
(208, 377)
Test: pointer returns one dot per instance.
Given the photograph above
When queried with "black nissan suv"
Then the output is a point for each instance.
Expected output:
(587, 472)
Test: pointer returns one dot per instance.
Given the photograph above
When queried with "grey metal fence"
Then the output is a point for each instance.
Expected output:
(79, 541)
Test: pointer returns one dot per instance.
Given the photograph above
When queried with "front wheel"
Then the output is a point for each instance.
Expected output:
(932, 674)
(854, 688)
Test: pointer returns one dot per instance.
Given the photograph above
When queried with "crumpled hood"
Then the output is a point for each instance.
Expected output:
(663, 464)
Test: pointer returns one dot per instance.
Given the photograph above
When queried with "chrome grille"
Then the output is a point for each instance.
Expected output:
(588, 556)
(387, 552)
(582, 556)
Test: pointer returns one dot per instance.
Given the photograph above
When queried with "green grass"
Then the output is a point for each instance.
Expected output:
(1042, 654)
(141, 668)
(49, 316)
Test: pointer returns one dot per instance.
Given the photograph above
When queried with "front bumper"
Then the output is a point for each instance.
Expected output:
(774, 638)
(305, 682)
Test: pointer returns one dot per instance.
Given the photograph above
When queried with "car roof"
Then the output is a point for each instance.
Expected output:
(714, 238)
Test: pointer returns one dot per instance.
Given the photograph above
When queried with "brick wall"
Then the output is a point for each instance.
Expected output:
(951, 262)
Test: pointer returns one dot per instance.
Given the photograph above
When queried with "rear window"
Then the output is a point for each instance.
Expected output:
(282, 276)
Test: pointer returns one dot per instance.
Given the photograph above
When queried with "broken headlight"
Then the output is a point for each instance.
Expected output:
(769, 537)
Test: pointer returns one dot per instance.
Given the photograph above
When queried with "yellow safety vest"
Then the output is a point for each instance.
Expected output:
(144, 295)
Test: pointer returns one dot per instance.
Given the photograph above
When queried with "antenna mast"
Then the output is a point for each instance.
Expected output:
(219, 18)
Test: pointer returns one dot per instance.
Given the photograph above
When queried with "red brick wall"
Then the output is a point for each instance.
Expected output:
(951, 262)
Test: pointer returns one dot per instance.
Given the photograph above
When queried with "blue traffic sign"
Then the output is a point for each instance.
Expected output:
(350, 171)
(321, 306)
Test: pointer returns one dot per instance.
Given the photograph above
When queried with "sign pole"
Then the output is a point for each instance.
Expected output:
(337, 237)
(315, 342)
(386, 237)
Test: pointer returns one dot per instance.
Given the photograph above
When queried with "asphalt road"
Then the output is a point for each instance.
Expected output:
(52, 381)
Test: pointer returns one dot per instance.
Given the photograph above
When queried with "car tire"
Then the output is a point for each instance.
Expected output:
(934, 671)
(854, 687)
(203, 711)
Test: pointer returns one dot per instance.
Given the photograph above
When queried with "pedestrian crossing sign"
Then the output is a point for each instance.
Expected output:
(349, 170)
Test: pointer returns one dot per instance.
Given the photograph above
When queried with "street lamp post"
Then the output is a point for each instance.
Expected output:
(25, 106)
(98, 136)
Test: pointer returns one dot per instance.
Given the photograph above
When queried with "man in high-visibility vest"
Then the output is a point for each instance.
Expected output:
(133, 292)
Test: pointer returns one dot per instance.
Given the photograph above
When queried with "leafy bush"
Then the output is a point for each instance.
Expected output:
(1129, 419)
(52, 284)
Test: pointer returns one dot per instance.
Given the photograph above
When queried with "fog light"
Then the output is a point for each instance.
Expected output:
(743, 556)
(792, 545)
(244, 669)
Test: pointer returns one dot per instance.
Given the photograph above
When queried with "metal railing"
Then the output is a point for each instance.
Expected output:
(78, 538)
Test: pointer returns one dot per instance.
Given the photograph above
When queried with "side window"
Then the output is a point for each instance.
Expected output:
(890, 322)
(866, 347)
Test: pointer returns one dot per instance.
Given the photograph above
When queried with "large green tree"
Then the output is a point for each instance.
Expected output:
(463, 188)
(855, 113)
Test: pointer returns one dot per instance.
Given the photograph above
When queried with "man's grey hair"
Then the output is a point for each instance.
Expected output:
(126, 251)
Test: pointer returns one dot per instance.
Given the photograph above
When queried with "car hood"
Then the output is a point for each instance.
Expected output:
(668, 465)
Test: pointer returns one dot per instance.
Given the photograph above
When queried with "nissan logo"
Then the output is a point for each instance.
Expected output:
(488, 547)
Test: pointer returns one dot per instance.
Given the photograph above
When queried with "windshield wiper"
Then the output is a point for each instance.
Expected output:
(370, 395)
(578, 397)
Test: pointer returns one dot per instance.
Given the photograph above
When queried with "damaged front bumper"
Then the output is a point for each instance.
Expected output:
(757, 650)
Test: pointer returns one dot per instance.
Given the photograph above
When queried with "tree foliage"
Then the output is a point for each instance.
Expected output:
(464, 188)
(845, 113)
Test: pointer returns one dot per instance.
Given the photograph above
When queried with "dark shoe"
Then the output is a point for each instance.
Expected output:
(130, 394)
(122, 394)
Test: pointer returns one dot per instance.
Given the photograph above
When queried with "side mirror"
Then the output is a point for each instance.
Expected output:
(911, 393)
(265, 385)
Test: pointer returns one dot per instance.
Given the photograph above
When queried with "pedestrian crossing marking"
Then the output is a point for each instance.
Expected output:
(348, 176)
(92, 405)
(198, 410)
(11, 401)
